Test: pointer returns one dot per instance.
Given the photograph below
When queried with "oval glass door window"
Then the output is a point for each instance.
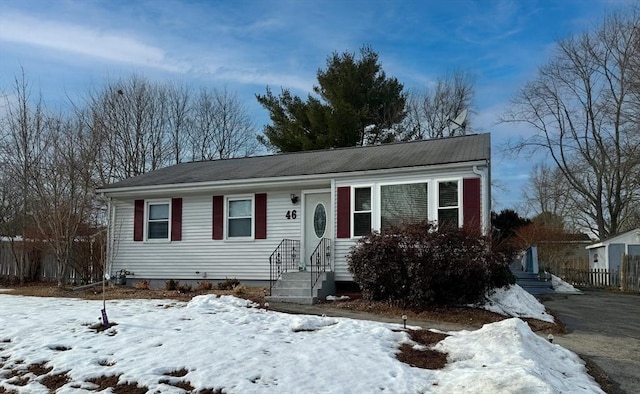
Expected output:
(319, 220)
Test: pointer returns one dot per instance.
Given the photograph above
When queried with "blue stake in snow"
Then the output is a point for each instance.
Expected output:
(105, 320)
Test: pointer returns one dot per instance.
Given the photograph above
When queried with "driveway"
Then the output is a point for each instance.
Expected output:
(605, 328)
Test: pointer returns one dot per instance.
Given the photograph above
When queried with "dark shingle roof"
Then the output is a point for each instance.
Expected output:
(378, 157)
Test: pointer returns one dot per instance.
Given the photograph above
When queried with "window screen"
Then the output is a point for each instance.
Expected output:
(406, 203)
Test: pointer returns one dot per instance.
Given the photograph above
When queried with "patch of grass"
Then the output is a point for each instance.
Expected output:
(103, 382)
(20, 381)
(183, 384)
(55, 381)
(423, 358)
(178, 373)
(60, 348)
(130, 388)
(211, 391)
(39, 369)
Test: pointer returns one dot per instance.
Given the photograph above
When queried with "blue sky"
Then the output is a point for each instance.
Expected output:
(68, 48)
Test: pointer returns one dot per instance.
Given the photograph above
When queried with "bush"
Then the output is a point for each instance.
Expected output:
(205, 285)
(172, 284)
(228, 284)
(420, 265)
(143, 285)
(184, 289)
(239, 290)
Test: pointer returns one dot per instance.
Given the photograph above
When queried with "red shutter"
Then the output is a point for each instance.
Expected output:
(261, 216)
(471, 203)
(176, 219)
(138, 220)
(344, 212)
(218, 217)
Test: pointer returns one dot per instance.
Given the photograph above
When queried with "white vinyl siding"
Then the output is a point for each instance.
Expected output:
(197, 253)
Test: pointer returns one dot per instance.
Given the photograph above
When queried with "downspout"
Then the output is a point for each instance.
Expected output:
(110, 222)
(487, 203)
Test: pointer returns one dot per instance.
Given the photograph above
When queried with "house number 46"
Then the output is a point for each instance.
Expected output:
(292, 214)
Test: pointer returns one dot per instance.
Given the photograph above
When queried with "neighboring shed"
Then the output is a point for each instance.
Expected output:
(240, 218)
(607, 254)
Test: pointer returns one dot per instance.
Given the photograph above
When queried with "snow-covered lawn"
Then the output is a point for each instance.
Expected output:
(230, 344)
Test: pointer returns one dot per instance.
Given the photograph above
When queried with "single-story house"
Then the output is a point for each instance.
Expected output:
(607, 254)
(228, 218)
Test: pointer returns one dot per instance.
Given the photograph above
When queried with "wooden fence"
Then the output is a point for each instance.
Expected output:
(86, 264)
(578, 273)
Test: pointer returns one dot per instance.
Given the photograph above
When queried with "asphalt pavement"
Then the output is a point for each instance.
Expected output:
(603, 327)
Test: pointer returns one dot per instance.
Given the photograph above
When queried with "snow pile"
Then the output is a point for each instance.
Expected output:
(560, 286)
(227, 343)
(516, 302)
(525, 362)
(336, 298)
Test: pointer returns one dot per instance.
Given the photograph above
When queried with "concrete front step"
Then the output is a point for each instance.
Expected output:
(295, 287)
(292, 291)
(292, 300)
(533, 282)
(537, 291)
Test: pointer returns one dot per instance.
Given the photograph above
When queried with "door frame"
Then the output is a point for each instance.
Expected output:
(330, 219)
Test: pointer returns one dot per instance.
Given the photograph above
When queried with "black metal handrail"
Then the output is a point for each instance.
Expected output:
(286, 257)
(320, 261)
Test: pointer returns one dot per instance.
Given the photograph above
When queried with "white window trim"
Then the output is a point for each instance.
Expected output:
(352, 210)
(437, 183)
(147, 204)
(239, 197)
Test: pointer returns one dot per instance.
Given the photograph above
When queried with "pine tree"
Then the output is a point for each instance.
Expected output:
(358, 104)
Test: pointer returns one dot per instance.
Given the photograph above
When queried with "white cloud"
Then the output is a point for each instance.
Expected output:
(84, 40)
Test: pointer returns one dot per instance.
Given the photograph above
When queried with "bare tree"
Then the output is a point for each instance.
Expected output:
(63, 188)
(431, 113)
(547, 193)
(132, 116)
(583, 109)
(221, 127)
(21, 152)
(179, 109)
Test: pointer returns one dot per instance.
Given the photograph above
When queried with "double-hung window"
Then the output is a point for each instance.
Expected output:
(158, 220)
(239, 217)
(403, 203)
(448, 203)
(362, 211)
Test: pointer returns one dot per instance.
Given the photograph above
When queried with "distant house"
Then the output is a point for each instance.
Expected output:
(607, 254)
(225, 218)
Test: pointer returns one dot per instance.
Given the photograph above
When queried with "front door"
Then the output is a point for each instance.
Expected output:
(317, 222)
